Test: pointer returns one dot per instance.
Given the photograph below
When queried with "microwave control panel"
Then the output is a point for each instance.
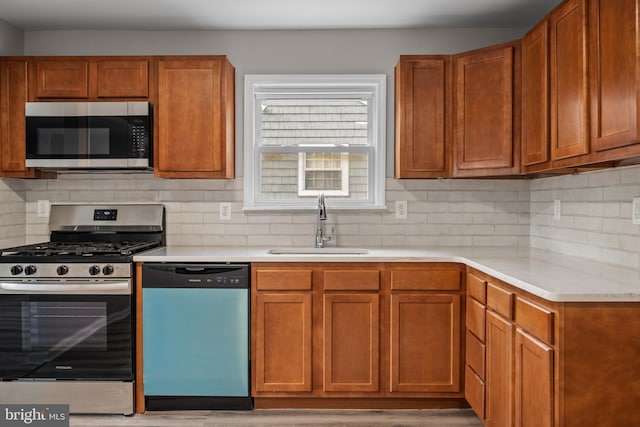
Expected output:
(138, 136)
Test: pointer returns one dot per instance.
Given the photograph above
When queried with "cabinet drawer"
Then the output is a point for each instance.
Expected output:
(477, 288)
(500, 300)
(346, 280)
(474, 389)
(476, 318)
(283, 280)
(425, 280)
(536, 320)
(475, 354)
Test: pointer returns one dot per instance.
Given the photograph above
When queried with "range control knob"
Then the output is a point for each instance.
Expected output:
(94, 269)
(30, 269)
(16, 269)
(107, 270)
(62, 270)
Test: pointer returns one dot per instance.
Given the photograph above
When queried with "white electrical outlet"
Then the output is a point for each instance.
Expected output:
(557, 209)
(401, 209)
(225, 211)
(43, 208)
(635, 210)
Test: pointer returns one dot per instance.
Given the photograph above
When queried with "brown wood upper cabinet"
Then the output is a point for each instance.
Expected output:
(195, 117)
(13, 95)
(486, 126)
(614, 43)
(89, 78)
(120, 78)
(569, 91)
(593, 96)
(422, 116)
(535, 96)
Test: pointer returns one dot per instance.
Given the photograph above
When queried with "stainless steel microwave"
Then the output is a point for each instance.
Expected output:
(85, 135)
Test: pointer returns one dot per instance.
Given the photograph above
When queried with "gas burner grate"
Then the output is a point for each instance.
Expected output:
(85, 249)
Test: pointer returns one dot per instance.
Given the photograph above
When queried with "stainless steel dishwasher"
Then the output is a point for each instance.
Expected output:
(195, 336)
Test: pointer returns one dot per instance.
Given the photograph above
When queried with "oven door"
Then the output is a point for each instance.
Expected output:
(66, 337)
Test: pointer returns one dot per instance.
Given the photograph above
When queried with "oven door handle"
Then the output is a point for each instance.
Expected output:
(117, 287)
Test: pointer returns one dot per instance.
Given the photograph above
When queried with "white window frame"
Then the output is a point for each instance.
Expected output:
(360, 86)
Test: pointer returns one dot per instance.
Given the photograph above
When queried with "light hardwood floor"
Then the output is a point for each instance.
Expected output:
(289, 417)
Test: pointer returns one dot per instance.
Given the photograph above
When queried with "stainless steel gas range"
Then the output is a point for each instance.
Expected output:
(66, 308)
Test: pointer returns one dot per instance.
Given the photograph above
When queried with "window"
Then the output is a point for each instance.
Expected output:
(312, 134)
(326, 173)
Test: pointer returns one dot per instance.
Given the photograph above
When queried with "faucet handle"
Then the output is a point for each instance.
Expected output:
(322, 209)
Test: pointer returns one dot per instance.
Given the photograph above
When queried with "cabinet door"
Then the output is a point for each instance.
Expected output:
(13, 95)
(533, 382)
(195, 119)
(569, 108)
(499, 391)
(421, 146)
(351, 342)
(282, 350)
(484, 118)
(122, 78)
(614, 43)
(535, 95)
(64, 78)
(425, 343)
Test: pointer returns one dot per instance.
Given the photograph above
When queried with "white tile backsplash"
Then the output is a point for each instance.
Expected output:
(440, 212)
(13, 214)
(595, 222)
(596, 215)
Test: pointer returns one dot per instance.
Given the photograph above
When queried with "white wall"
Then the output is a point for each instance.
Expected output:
(11, 39)
(278, 52)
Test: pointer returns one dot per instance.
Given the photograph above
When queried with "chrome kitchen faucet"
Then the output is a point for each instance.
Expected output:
(321, 217)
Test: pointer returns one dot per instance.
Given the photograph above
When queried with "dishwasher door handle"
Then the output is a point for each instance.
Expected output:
(191, 270)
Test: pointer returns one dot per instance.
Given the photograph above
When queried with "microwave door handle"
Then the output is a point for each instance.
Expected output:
(123, 287)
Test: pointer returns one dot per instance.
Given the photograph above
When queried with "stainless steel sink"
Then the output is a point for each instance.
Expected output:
(318, 251)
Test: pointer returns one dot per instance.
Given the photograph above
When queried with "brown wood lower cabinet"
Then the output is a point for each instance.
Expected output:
(390, 335)
(357, 333)
(499, 371)
(425, 343)
(533, 382)
(351, 338)
(283, 337)
(550, 364)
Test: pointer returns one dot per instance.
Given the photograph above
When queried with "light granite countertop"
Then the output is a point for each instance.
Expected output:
(552, 276)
